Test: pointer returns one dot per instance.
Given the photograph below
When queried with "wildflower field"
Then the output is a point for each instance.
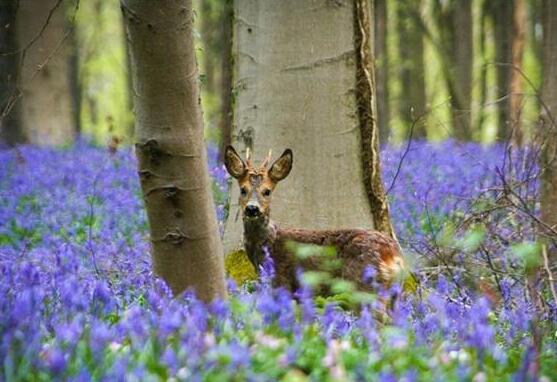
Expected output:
(78, 300)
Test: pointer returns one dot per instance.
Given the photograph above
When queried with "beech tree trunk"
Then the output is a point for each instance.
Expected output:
(47, 116)
(313, 92)
(10, 126)
(412, 102)
(549, 119)
(382, 69)
(187, 251)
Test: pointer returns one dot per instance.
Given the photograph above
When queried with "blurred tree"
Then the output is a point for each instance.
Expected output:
(501, 12)
(382, 69)
(549, 121)
(454, 23)
(211, 42)
(412, 103)
(226, 75)
(313, 92)
(10, 126)
(46, 102)
(75, 81)
(187, 251)
(516, 88)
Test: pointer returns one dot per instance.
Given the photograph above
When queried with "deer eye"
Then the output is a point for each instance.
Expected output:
(266, 192)
(243, 191)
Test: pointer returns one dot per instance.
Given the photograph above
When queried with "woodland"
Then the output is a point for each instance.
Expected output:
(144, 235)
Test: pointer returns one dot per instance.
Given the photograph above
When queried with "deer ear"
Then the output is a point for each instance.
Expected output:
(282, 166)
(234, 164)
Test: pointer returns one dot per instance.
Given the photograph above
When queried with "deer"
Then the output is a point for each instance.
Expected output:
(356, 248)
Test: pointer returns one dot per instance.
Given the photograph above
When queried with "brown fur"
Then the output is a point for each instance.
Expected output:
(356, 248)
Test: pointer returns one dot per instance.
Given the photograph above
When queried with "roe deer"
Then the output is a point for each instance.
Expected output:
(356, 248)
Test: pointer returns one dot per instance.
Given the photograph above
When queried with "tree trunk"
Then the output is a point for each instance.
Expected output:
(517, 48)
(549, 118)
(462, 60)
(313, 92)
(501, 12)
(46, 104)
(209, 30)
(382, 69)
(75, 83)
(454, 21)
(10, 126)
(481, 113)
(412, 102)
(170, 147)
(226, 76)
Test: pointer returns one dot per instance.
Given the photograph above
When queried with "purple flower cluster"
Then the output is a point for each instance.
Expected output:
(78, 300)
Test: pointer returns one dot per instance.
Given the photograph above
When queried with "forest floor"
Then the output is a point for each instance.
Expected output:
(78, 299)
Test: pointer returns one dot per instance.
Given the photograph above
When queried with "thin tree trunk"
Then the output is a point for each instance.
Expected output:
(310, 94)
(549, 119)
(226, 76)
(170, 147)
(75, 82)
(483, 71)
(501, 12)
(462, 61)
(45, 81)
(10, 127)
(208, 35)
(130, 128)
(382, 69)
(412, 102)
(518, 42)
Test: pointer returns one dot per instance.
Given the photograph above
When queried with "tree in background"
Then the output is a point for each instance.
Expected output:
(187, 251)
(312, 92)
(44, 78)
(508, 19)
(412, 102)
(382, 68)
(516, 84)
(549, 122)
(225, 124)
(10, 128)
(454, 23)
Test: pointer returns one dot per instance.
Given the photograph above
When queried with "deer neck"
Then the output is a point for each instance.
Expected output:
(258, 235)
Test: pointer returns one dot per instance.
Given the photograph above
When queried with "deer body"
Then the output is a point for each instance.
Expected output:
(356, 248)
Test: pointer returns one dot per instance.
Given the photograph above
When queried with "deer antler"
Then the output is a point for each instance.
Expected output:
(248, 158)
(267, 160)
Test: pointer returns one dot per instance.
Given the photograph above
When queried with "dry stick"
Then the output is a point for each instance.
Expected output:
(549, 274)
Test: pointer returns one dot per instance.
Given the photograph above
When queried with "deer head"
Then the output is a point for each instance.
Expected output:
(257, 183)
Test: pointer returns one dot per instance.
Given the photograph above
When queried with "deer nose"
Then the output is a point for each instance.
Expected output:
(252, 210)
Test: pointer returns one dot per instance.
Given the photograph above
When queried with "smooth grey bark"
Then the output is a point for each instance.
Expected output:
(45, 76)
(296, 84)
(187, 251)
(10, 127)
